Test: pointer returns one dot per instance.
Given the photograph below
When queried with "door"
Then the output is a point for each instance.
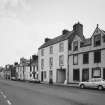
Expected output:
(85, 74)
(76, 75)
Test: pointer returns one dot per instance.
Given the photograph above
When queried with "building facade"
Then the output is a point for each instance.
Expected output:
(71, 57)
(53, 58)
(87, 57)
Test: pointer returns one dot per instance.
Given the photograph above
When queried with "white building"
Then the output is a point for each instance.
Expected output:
(53, 58)
(72, 57)
(87, 56)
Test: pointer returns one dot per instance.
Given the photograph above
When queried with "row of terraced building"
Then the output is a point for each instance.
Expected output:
(71, 57)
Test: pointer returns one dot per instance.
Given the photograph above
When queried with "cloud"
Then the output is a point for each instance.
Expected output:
(14, 8)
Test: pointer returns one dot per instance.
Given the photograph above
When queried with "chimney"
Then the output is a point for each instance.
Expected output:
(64, 31)
(47, 39)
(78, 28)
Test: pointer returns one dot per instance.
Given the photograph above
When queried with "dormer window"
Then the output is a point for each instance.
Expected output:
(97, 40)
(75, 45)
(104, 38)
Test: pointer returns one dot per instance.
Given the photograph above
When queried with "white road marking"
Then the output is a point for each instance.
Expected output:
(9, 103)
(4, 96)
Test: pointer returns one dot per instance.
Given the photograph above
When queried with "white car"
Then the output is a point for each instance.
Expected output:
(98, 83)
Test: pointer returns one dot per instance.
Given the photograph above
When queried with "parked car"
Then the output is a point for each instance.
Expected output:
(35, 80)
(98, 83)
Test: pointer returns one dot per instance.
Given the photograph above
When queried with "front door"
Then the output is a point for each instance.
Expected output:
(85, 74)
(42, 76)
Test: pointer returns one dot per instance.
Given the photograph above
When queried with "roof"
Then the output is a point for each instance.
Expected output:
(57, 39)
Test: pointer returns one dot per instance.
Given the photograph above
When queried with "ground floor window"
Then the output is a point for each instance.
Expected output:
(96, 72)
(103, 73)
(85, 74)
(44, 75)
(76, 74)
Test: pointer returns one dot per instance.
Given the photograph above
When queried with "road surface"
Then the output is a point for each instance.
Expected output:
(22, 93)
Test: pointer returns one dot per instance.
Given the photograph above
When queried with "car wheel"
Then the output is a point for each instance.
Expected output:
(100, 87)
(82, 86)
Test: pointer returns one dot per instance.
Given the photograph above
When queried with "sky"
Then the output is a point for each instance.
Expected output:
(24, 24)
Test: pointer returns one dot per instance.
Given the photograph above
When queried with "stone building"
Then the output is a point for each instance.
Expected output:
(71, 57)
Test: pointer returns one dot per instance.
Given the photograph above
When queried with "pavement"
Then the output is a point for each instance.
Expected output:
(74, 85)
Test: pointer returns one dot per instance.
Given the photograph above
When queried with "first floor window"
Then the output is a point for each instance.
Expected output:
(42, 63)
(61, 60)
(51, 62)
(85, 58)
(75, 59)
(97, 56)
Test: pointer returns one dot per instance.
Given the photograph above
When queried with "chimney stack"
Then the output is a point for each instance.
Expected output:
(78, 28)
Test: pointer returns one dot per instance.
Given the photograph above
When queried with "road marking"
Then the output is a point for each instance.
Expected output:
(4, 96)
(9, 103)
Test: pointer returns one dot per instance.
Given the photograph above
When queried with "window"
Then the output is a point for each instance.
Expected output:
(44, 75)
(42, 52)
(51, 49)
(104, 38)
(75, 45)
(75, 59)
(50, 62)
(61, 47)
(85, 58)
(96, 72)
(42, 63)
(97, 40)
(61, 60)
(97, 56)
(76, 74)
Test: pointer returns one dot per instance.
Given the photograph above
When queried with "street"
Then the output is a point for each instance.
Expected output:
(23, 93)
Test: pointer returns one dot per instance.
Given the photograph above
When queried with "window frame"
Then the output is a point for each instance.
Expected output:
(61, 46)
(97, 57)
(51, 62)
(75, 46)
(61, 59)
(51, 50)
(86, 55)
(74, 57)
(96, 40)
(42, 52)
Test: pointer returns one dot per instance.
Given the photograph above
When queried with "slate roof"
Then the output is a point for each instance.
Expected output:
(57, 39)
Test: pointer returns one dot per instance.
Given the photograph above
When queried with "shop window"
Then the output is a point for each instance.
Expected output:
(97, 40)
(96, 72)
(97, 56)
(85, 58)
